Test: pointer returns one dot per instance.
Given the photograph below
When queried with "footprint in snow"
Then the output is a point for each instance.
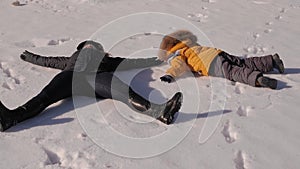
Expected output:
(230, 136)
(239, 160)
(40, 42)
(11, 79)
(244, 111)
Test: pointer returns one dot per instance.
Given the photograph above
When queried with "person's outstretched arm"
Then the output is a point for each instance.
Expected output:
(178, 67)
(59, 62)
(118, 63)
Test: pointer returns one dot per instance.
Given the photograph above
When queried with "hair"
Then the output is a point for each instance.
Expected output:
(174, 38)
(95, 44)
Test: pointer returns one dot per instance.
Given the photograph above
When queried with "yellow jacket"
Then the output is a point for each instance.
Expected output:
(195, 58)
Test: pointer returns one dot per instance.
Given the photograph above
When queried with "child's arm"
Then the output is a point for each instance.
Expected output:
(178, 68)
(59, 62)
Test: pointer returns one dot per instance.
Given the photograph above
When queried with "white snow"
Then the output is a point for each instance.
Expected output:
(221, 124)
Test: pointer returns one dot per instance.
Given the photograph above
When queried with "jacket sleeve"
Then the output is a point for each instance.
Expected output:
(118, 63)
(59, 62)
(178, 66)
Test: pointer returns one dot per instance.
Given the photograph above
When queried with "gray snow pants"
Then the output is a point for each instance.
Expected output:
(243, 70)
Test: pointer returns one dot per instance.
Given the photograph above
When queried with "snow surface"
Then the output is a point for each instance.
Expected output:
(225, 126)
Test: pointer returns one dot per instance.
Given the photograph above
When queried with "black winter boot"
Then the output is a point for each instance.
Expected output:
(9, 118)
(170, 108)
(278, 63)
(33, 107)
(263, 81)
(163, 112)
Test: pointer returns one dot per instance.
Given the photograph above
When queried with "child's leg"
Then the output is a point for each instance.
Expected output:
(263, 64)
(247, 75)
(242, 74)
(232, 60)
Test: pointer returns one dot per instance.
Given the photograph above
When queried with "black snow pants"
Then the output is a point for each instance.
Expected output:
(243, 70)
(63, 85)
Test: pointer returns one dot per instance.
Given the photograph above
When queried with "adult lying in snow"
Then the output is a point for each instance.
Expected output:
(181, 50)
(94, 70)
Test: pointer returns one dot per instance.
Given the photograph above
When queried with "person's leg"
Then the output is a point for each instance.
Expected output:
(242, 74)
(109, 86)
(263, 64)
(266, 64)
(247, 75)
(60, 87)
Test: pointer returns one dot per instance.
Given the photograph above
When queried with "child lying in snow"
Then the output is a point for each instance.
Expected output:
(181, 50)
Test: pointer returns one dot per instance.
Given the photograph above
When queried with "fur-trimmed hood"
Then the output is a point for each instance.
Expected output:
(180, 39)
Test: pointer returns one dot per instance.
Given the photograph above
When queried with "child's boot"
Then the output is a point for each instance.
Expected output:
(263, 81)
(278, 63)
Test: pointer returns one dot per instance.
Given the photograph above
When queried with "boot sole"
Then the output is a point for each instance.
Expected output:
(279, 63)
(179, 100)
(281, 67)
(174, 108)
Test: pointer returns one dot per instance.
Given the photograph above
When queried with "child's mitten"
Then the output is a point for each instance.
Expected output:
(167, 78)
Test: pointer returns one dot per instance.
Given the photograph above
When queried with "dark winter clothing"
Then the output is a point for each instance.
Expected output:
(88, 72)
(244, 70)
(87, 57)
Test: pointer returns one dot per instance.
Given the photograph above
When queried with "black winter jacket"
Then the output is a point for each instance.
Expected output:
(89, 60)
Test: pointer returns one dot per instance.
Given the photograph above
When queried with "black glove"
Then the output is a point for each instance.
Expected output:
(167, 78)
(25, 55)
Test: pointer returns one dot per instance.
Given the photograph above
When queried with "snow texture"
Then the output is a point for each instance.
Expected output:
(257, 128)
